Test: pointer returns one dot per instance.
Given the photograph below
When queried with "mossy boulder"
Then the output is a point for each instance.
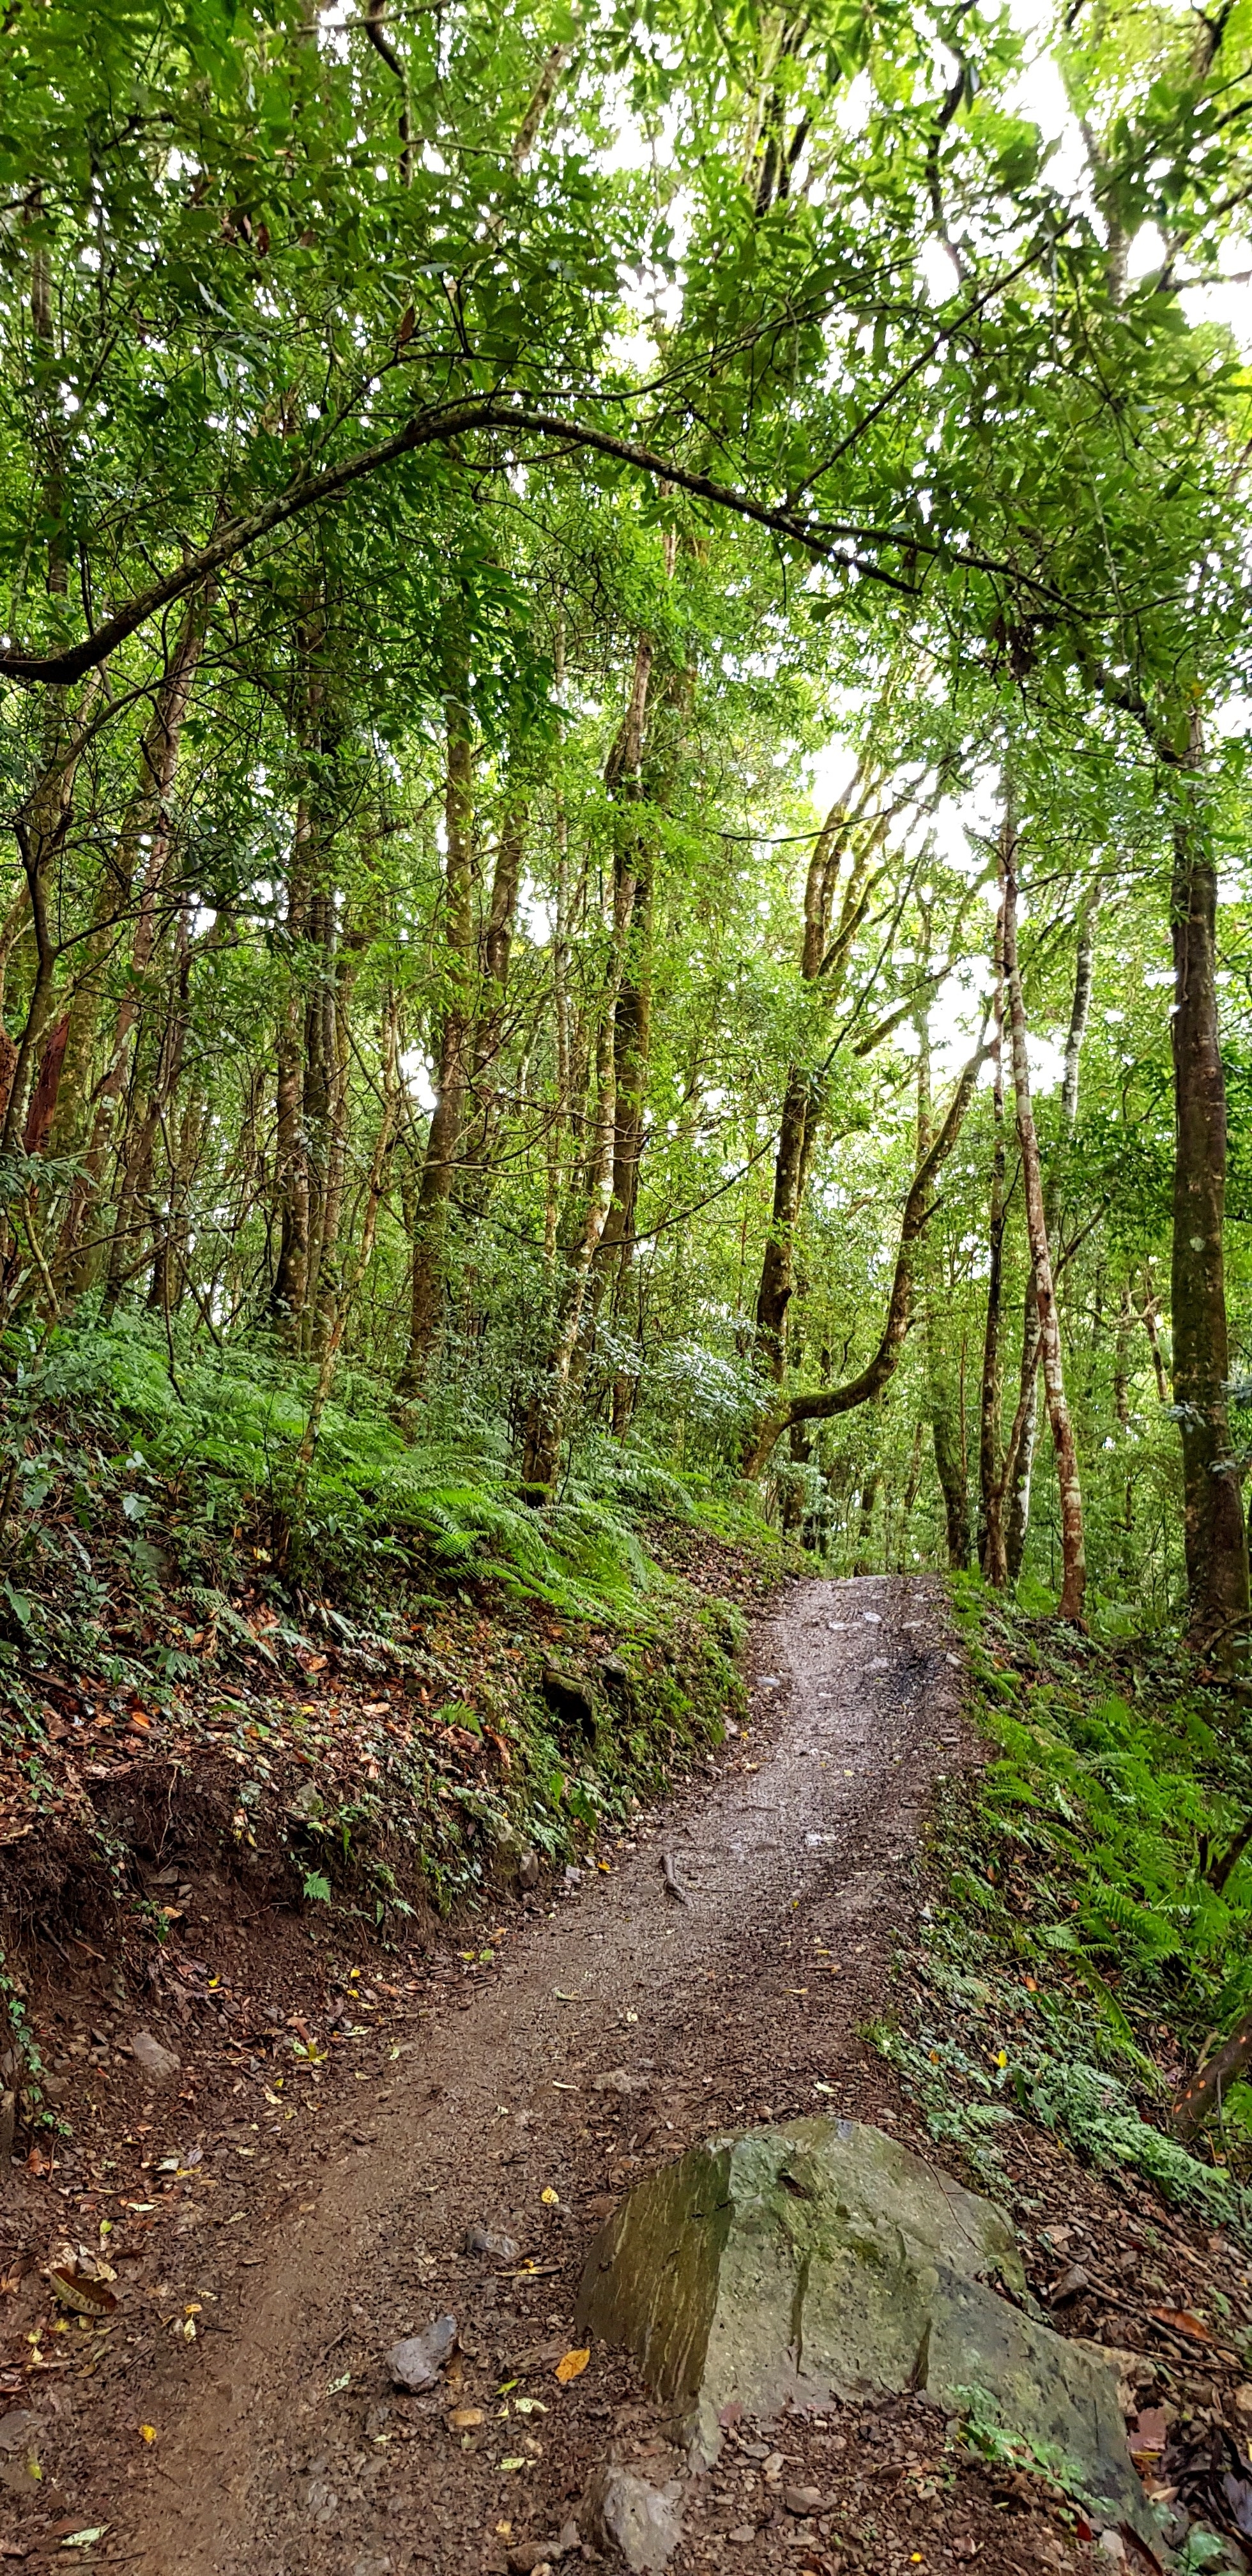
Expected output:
(820, 2259)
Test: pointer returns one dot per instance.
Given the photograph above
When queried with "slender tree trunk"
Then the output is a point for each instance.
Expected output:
(289, 1292)
(147, 818)
(430, 1232)
(823, 964)
(633, 1030)
(951, 1464)
(633, 860)
(864, 1562)
(778, 1259)
(1018, 1525)
(546, 1416)
(1150, 1314)
(912, 1488)
(321, 1075)
(991, 1543)
(1074, 1571)
(872, 1379)
(40, 829)
(489, 1029)
(1213, 1531)
(365, 1251)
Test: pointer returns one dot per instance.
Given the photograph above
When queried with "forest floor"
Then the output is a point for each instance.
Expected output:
(236, 2417)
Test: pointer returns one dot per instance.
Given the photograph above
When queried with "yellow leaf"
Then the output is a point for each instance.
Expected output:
(149, 2432)
(549, 2197)
(573, 2365)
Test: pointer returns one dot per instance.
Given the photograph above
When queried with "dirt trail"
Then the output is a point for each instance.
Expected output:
(286, 2453)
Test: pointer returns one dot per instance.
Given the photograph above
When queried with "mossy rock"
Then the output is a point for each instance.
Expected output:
(821, 2260)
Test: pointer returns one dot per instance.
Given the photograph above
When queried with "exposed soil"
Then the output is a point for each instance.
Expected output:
(280, 2447)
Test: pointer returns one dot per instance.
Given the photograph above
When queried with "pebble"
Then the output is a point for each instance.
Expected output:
(418, 2360)
(158, 2062)
(802, 2500)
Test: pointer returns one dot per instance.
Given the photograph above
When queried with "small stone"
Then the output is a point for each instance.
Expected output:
(8, 2123)
(530, 2556)
(418, 2360)
(802, 2500)
(1070, 2286)
(528, 1870)
(644, 2522)
(1243, 2400)
(1112, 2546)
(157, 2062)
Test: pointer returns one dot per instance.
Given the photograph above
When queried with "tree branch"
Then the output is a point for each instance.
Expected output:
(917, 1209)
(828, 541)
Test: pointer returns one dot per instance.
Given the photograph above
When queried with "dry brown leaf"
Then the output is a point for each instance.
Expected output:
(86, 2297)
(1183, 2322)
(572, 2365)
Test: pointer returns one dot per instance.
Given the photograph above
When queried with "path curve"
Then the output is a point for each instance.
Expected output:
(290, 2456)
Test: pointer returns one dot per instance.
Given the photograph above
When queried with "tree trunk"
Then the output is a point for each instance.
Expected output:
(823, 963)
(289, 1291)
(1074, 1571)
(430, 1231)
(40, 828)
(146, 817)
(992, 1555)
(863, 1562)
(1150, 1316)
(567, 1358)
(489, 1031)
(946, 1421)
(778, 1258)
(1022, 1467)
(545, 1426)
(871, 1380)
(1213, 1531)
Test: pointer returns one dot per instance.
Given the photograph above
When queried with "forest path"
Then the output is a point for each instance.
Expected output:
(285, 2452)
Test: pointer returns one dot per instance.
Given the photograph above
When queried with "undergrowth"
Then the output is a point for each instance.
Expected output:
(1092, 1941)
(376, 1679)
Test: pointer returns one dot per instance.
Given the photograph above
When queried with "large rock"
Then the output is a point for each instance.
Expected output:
(820, 2259)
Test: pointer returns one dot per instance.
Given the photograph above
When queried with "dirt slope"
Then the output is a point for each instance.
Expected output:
(284, 2451)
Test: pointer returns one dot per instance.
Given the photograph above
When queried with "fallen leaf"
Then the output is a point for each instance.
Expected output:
(512, 2464)
(1150, 2431)
(84, 2539)
(549, 2197)
(572, 2365)
(1183, 2322)
(78, 2291)
(465, 2419)
(149, 2432)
